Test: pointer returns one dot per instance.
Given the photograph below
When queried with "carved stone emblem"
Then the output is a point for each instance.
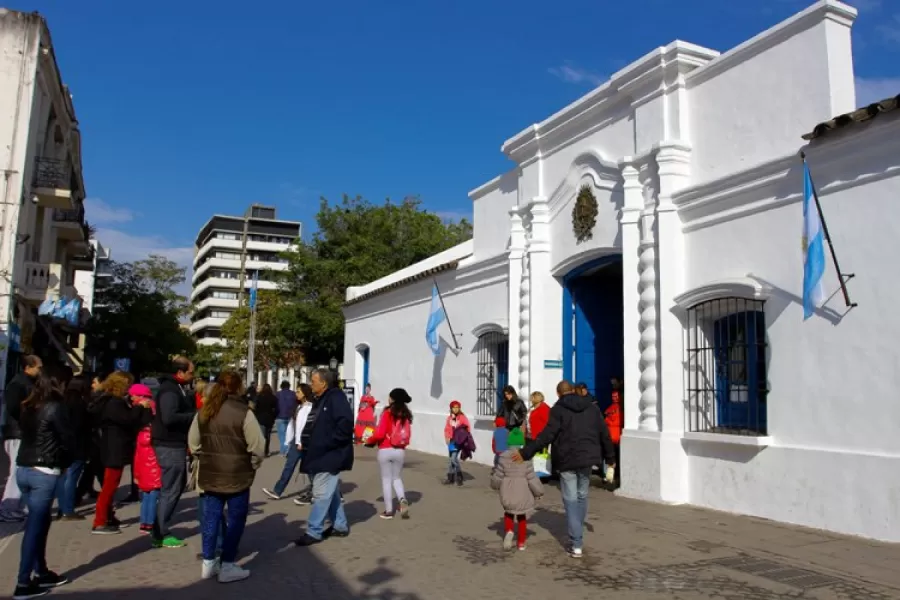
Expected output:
(584, 214)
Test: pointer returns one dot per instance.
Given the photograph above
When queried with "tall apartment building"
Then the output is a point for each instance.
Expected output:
(45, 249)
(225, 243)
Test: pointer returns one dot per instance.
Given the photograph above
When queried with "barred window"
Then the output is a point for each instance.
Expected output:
(727, 386)
(493, 372)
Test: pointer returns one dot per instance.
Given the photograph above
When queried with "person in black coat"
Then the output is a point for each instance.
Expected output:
(577, 430)
(513, 409)
(75, 402)
(17, 391)
(120, 421)
(265, 408)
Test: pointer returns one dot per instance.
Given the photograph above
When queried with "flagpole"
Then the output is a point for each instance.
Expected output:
(834, 258)
(446, 314)
(251, 345)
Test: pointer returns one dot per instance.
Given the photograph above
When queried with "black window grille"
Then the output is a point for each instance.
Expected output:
(726, 352)
(493, 372)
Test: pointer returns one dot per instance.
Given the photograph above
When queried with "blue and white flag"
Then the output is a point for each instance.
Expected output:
(813, 249)
(253, 289)
(436, 316)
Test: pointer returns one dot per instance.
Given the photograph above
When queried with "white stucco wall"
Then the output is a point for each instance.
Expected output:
(392, 326)
(833, 379)
(693, 158)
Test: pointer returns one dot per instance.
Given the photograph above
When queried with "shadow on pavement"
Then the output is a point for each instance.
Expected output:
(278, 570)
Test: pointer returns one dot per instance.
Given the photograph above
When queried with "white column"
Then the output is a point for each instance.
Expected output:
(292, 377)
(674, 173)
(524, 317)
(649, 361)
(540, 280)
(631, 314)
(516, 254)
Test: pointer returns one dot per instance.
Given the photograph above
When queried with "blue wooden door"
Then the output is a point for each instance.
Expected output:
(739, 346)
(502, 361)
(365, 381)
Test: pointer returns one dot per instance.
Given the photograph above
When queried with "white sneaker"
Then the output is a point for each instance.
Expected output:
(230, 572)
(210, 569)
(508, 541)
(575, 552)
(271, 494)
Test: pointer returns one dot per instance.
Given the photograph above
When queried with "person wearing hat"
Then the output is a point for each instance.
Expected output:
(392, 437)
(519, 489)
(455, 420)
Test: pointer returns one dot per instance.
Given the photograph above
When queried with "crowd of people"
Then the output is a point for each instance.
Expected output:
(63, 432)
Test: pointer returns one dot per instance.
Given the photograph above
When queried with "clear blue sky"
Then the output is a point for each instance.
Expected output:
(196, 107)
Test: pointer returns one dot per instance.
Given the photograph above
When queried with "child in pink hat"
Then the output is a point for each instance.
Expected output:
(147, 474)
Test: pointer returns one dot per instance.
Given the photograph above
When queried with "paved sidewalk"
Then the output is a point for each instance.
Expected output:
(450, 549)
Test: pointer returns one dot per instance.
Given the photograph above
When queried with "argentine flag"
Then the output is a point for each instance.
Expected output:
(813, 249)
(436, 316)
(253, 289)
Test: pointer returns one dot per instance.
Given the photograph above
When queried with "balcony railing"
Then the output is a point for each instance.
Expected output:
(52, 173)
(75, 215)
(42, 279)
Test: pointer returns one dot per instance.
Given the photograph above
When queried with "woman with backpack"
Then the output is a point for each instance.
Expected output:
(392, 437)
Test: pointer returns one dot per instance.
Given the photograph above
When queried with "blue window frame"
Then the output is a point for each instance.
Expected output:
(365, 357)
(727, 384)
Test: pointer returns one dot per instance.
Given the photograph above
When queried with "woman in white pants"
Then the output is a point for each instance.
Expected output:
(392, 437)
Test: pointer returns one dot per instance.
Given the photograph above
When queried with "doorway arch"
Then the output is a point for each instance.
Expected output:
(593, 328)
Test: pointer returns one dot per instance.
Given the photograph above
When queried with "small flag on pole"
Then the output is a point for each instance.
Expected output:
(253, 289)
(813, 249)
(436, 316)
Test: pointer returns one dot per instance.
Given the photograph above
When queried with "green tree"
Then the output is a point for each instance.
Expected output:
(277, 343)
(137, 316)
(158, 274)
(356, 242)
(208, 360)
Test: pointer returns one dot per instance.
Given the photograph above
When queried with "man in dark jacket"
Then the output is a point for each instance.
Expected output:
(18, 389)
(327, 446)
(175, 409)
(287, 406)
(580, 441)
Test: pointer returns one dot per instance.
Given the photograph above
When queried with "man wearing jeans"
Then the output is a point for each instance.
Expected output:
(287, 406)
(327, 441)
(580, 439)
(169, 432)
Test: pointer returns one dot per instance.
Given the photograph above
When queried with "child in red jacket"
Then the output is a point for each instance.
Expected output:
(613, 417)
(147, 474)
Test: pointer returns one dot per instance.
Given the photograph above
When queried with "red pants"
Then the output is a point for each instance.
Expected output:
(104, 509)
(521, 521)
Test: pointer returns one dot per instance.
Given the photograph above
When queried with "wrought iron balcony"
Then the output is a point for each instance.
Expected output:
(52, 173)
(74, 215)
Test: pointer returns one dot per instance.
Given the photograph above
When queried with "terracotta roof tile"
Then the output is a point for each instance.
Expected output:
(859, 115)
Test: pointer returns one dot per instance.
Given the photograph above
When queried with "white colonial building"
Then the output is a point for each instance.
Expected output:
(652, 230)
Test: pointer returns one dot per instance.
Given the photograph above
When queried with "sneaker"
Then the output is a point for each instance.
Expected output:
(271, 494)
(170, 541)
(32, 590)
(404, 509)
(306, 540)
(209, 569)
(146, 529)
(303, 501)
(575, 552)
(50, 580)
(522, 547)
(450, 479)
(386, 515)
(117, 523)
(105, 530)
(72, 517)
(230, 572)
(508, 540)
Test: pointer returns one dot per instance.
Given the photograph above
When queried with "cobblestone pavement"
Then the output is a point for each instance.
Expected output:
(450, 548)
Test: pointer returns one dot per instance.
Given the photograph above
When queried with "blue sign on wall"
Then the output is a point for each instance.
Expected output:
(122, 364)
(553, 364)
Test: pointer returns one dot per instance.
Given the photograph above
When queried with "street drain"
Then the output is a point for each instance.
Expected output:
(773, 571)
